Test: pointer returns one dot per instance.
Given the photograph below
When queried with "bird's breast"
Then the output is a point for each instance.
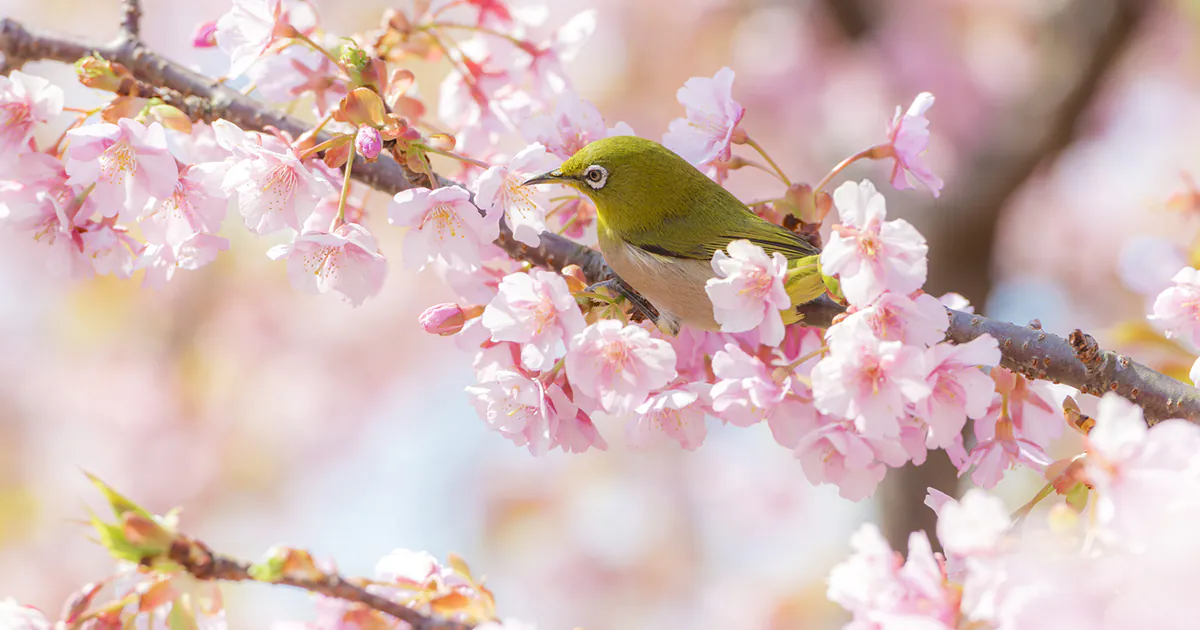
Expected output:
(674, 285)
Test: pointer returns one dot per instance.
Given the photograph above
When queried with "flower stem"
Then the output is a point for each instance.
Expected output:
(317, 47)
(341, 211)
(761, 151)
(795, 364)
(457, 156)
(841, 167)
(1024, 510)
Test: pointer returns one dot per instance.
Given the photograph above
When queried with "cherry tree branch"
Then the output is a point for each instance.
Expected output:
(1032, 352)
(131, 24)
(204, 564)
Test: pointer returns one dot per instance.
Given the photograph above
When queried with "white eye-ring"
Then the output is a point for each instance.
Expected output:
(595, 176)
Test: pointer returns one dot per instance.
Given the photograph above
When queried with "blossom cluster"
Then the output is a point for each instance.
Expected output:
(1057, 568)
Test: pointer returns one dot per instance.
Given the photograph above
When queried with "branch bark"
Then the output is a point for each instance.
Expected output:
(205, 99)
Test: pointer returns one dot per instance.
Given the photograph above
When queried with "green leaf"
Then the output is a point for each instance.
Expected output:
(112, 538)
(120, 504)
(180, 617)
(1077, 497)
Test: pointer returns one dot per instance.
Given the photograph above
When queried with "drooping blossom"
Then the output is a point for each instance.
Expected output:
(881, 591)
(25, 100)
(128, 162)
(571, 125)
(1177, 308)
(917, 321)
(831, 450)
(748, 290)
(745, 392)
(196, 206)
(706, 133)
(908, 138)
(618, 365)
(1015, 430)
(346, 261)
(294, 71)
(443, 226)
(274, 189)
(869, 254)
(252, 26)
(870, 382)
(160, 261)
(537, 311)
(959, 389)
(14, 616)
(111, 250)
(499, 189)
(673, 414)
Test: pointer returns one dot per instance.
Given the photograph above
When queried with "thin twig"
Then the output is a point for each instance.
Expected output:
(1160, 396)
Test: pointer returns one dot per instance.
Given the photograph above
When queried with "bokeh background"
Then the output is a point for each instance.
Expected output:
(1061, 128)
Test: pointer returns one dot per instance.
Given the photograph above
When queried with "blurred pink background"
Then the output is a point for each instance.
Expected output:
(273, 416)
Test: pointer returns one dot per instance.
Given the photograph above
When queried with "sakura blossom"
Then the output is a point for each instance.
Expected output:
(50, 224)
(869, 254)
(545, 61)
(250, 28)
(832, 451)
(571, 125)
(274, 189)
(706, 134)
(618, 365)
(14, 616)
(25, 101)
(443, 319)
(443, 226)
(746, 391)
(959, 389)
(974, 525)
(675, 414)
(1177, 308)
(908, 136)
(917, 321)
(127, 162)
(536, 310)
(111, 250)
(295, 71)
(346, 261)
(162, 260)
(870, 382)
(195, 206)
(500, 189)
(368, 143)
(748, 290)
(1015, 430)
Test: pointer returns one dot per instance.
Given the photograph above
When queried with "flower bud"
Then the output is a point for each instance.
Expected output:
(447, 319)
(368, 142)
(205, 35)
(97, 72)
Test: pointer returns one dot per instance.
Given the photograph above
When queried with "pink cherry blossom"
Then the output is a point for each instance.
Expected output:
(545, 61)
(443, 319)
(205, 35)
(746, 391)
(25, 100)
(14, 616)
(882, 592)
(870, 382)
(443, 226)
(1015, 430)
(917, 321)
(707, 132)
(405, 566)
(672, 414)
(869, 254)
(573, 124)
(49, 223)
(959, 388)
(974, 525)
(536, 310)
(908, 136)
(111, 250)
(368, 143)
(832, 451)
(618, 365)
(748, 290)
(196, 206)
(275, 190)
(252, 26)
(1035, 409)
(346, 261)
(1178, 307)
(287, 75)
(161, 261)
(128, 162)
(956, 302)
(499, 189)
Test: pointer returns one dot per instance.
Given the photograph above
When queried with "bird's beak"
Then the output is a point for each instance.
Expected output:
(546, 178)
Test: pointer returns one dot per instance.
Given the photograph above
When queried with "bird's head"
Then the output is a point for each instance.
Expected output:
(632, 181)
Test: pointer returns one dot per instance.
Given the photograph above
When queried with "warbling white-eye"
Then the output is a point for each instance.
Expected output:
(659, 221)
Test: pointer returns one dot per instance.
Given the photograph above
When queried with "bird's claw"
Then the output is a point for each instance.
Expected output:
(642, 308)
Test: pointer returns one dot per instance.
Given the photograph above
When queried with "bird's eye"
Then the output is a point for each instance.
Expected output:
(595, 176)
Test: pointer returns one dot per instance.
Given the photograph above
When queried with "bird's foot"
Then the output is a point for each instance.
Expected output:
(642, 309)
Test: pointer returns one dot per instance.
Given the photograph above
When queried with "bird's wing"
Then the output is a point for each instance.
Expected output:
(683, 241)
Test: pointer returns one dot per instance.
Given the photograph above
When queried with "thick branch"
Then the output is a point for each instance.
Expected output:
(204, 99)
(200, 561)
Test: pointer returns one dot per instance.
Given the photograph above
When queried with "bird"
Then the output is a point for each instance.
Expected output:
(659, 222)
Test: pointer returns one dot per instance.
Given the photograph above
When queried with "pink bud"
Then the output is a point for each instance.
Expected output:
(447, 319)
(206, 35)
(368, 142)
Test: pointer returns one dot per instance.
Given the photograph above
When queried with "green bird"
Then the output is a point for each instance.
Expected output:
(660, 220)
